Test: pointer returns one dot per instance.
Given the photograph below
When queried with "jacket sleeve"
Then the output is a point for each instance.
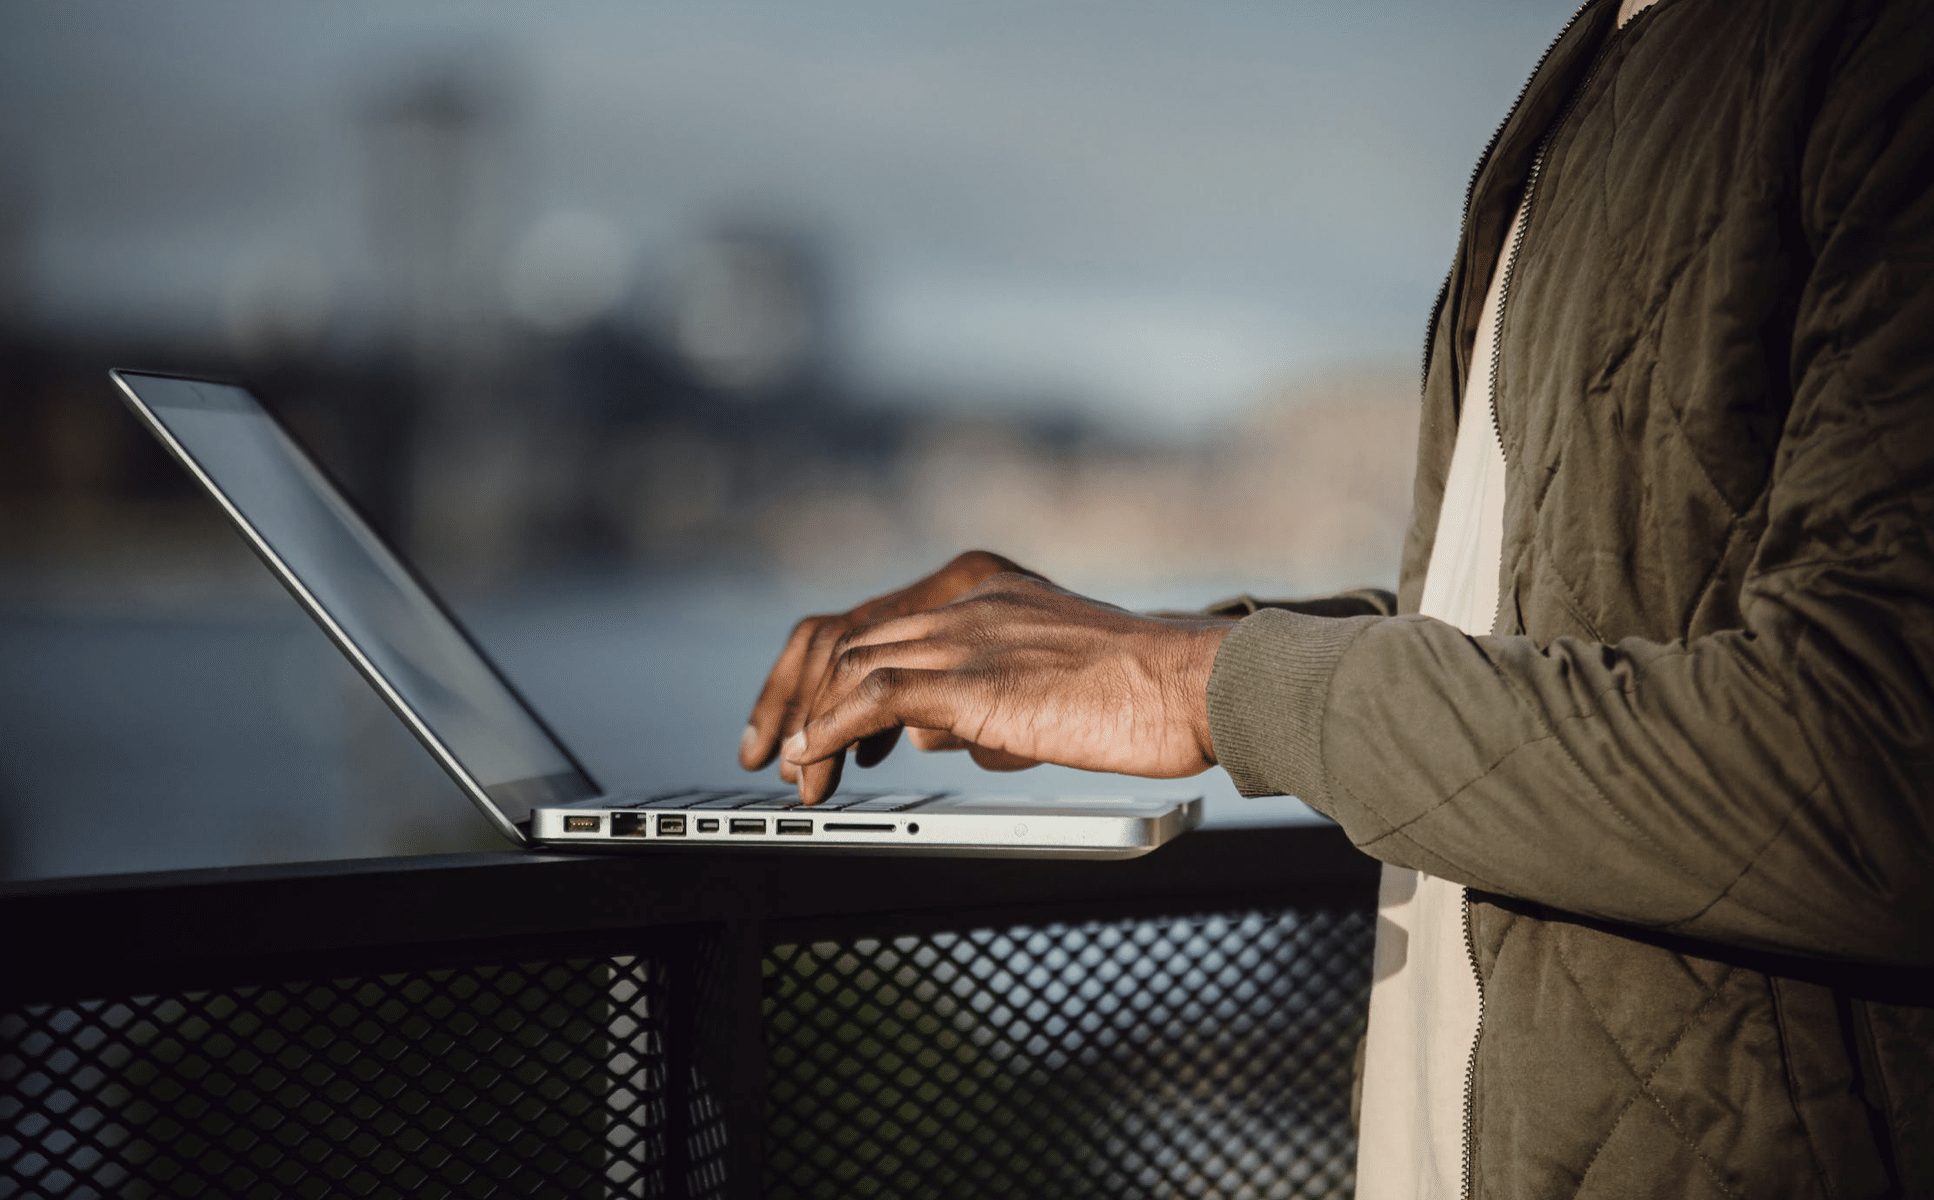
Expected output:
(1357, 602)
(1767, 786)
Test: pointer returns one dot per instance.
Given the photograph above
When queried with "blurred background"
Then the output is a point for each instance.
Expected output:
(647, 328)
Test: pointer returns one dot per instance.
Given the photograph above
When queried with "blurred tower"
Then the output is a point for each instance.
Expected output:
(439, 169)
(15, 232)
(435, 143)
(20, 461)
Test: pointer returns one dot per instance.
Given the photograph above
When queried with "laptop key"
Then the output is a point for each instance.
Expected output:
(894, 802)
(677, 799)
(720, 800)
(770, 800)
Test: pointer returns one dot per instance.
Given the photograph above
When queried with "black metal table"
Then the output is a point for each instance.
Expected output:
(515, 1024)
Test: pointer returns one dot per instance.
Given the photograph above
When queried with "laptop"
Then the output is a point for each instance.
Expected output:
(511, 765)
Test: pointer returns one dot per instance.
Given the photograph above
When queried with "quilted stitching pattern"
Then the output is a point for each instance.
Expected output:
(1617, 1066)
(1644, 393)
(1642, 1077)
(1653, 1032)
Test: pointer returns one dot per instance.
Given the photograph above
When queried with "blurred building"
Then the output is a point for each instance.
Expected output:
(516, 382)
(646, 328)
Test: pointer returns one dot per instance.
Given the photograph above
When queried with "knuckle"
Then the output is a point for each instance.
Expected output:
(849, 663)
(879, 686)
(1002, 583)
(970, 568)
(980, 562)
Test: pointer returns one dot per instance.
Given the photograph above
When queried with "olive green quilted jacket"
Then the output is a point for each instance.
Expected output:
(1689, 777)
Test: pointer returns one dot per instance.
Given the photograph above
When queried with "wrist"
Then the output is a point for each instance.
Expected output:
(1197, 643)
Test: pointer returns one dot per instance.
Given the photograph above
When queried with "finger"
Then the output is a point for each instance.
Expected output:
(856, 663)
(852, 663)
(934, 739)
(871, 751)
(763, 732)
(820, 649)
(990, 759)
(817, 686)
(820, 779)
(889, 696)
(913, 627)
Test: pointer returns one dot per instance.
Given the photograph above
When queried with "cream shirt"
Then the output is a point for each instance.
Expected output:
(1423, 991)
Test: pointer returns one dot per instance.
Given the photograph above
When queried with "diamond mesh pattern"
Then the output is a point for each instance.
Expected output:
(528, 1080)
(706, 1171)
(1201, 1057)
(1197, 1057)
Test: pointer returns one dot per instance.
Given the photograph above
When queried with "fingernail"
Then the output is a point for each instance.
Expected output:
(748, 742)
(796, 746)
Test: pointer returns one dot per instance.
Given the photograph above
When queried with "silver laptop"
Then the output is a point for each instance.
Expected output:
(503, 756)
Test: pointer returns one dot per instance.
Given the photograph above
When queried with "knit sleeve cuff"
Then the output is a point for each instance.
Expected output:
(1266, 700)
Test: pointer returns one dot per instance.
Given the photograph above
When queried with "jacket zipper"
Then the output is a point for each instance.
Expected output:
(1470, 1064)
(1470, 185)
(1497, 430)
(1529, 201)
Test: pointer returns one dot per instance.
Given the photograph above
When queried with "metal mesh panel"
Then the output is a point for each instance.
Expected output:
(706, 1145)
(1188, 1057)
(1195, 1057)
(521, 1080)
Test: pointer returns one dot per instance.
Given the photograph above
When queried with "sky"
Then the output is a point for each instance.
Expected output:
(1159, 210)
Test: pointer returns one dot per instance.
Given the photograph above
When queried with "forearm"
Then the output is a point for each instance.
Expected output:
(1671, 785)
(1769, 784)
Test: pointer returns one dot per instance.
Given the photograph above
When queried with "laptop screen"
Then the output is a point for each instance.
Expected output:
(462, 708)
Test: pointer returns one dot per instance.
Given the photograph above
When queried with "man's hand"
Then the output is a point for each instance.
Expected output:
(800, 674)
(1023, 670)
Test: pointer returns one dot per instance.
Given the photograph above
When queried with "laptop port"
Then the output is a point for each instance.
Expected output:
(859, 827)
(671, 825)
(708, 824)
(582, 824)
(628, 824)
(748, 825)
(789, 825)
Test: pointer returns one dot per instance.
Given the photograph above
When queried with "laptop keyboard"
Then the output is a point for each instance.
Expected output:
(777, 800)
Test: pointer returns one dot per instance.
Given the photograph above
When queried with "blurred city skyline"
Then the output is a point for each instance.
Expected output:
(646, 329)
(1151, 215)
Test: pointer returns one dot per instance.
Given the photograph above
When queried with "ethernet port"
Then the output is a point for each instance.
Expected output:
(628, 824)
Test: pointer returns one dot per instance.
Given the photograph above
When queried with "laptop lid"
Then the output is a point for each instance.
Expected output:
(365, 596)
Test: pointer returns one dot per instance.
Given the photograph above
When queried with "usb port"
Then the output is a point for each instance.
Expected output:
(628, 824)
(671, 825)
(582, 824)
(748, 825)
(708, 824)
(788, 825)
